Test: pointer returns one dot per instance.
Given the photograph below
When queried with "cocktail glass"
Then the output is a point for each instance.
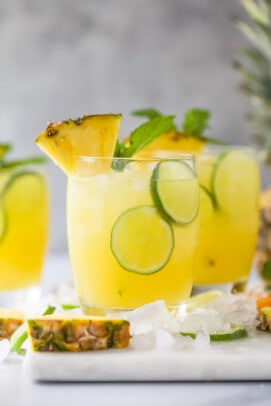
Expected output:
(132, 231)
(24, 211)
(229, 215)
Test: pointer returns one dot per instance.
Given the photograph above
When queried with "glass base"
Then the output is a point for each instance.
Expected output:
(231, 287)
(14, 298)
(93, 310)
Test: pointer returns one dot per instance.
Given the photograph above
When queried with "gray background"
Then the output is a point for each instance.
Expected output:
(65, 58)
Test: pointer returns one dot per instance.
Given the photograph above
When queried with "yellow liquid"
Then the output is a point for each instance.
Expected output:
(93, 205)
(23, 244)
(227, 239)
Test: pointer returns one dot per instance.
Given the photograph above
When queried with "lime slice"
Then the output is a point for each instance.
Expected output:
(17, 188)
(206, 205)
(22, 193)
(141, 240)
(203, 299)
(235, 333)
(175, 191)
(235, 182)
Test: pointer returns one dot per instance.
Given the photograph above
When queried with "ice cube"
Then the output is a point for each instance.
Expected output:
(143, 342)
(4, 349)
(154, 314)
(163, 339)
(202, 340)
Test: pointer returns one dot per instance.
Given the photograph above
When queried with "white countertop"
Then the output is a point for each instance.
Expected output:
(16, 388)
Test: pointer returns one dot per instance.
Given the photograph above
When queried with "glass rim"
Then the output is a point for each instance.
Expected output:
(174, 156)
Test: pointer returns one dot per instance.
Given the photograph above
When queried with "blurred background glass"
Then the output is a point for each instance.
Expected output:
(65, 58)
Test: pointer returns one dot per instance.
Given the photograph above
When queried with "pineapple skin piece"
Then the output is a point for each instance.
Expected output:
(264, 319)
(10, 320)
(263, 250)
(47, 334)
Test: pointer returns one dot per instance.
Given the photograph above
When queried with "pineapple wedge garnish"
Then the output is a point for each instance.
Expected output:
(77, 333)
(90, 136)
(10, 320)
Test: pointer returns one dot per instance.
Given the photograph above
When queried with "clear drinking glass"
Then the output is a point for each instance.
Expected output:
(24, 212)
(229, 215)
(132, 231)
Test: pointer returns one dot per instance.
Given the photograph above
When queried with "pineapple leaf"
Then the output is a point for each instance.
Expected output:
(257, 35)
(257, 59)
(256, 11)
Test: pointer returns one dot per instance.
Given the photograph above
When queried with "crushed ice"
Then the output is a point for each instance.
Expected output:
(154, 327)
(4, 349)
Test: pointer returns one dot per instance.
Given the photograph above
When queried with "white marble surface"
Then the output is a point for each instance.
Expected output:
(242, 360)
(18, 389)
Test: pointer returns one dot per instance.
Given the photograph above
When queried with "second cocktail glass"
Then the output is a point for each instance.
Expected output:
(229, 214)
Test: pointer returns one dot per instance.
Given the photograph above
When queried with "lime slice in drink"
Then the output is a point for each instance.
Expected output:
(203, 299)
(22, 194)
(235, 333)
(235, 182)
(175, 191)
(206, 205)
(141, 240)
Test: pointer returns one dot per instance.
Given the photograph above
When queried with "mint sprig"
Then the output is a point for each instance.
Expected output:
(195, 123)
(140, 138)
(148, 113)
(35, 160)
(5, 148)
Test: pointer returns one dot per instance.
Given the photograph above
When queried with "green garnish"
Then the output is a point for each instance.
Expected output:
(266, 271)
(141, 137)
(20, 162)
(5, 148)
(68, 306)
(149, 113)
(20, 335)
(195, 122)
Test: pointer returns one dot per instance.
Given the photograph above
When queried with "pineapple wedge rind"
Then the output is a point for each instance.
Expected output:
(10, 320)
(76, 334)
(264, 319)
(90, 136)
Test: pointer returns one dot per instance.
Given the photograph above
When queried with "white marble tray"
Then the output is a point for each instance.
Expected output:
(241, 360)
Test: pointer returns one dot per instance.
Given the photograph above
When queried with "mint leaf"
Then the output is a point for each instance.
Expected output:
(196, 121)
(20, 162)
(146, 133)
(149, 113)
(4, 149)
(266, 271)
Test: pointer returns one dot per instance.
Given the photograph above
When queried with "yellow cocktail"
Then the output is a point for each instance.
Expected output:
(132, 230)
(229, 193)
(23, 228)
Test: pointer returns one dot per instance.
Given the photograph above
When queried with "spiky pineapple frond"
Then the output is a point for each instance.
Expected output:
(255, 66)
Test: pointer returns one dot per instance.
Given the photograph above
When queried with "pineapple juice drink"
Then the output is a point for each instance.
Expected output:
(229, 193)
(24, 212)
(132, 231)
